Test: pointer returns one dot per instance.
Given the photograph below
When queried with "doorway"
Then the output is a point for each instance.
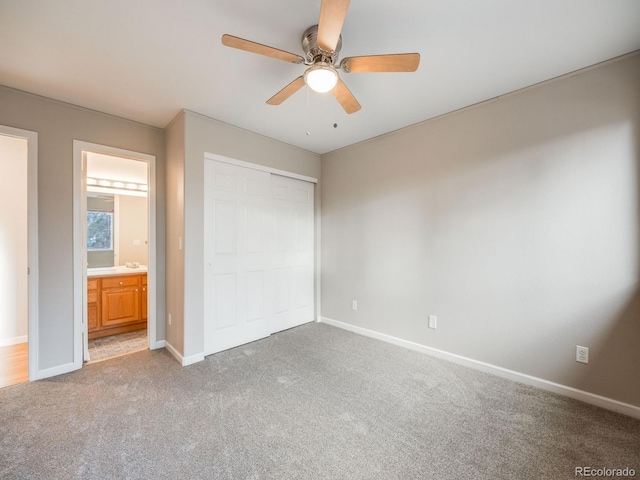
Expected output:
(18, 256)
(114, 250)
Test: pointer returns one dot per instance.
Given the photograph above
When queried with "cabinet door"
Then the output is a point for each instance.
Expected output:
(92, 317)
(143, 303)
(92, 305)
(120, 306)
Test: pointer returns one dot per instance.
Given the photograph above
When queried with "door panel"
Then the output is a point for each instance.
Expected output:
(255, 296)
(226, 299)
(282, 230)
(225, 180)
(282, 291)
(237, 255)
(293, 255)
(255, 225)
(303, 231)
(225, 228)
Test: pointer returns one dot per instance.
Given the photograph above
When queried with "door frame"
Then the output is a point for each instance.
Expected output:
(32, 246)
(80, 148)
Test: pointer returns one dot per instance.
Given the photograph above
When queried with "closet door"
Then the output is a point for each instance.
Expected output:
(259, 261)
(238, 256)
(293, 252)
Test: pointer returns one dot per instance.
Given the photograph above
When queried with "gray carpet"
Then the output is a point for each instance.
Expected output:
(311, 402)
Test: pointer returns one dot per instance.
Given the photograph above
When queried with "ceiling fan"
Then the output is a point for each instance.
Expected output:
(321, 44)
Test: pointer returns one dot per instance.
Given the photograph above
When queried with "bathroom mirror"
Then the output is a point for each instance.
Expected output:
(117, 232)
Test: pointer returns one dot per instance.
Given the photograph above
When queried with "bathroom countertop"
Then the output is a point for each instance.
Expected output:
(112, 271)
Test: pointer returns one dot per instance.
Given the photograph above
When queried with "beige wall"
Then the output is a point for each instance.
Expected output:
(203, 134)
(515, 222)
(57, 125)
(132, 226)
(175, 138)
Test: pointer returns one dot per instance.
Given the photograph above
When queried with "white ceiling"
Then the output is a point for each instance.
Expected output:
(147, 59)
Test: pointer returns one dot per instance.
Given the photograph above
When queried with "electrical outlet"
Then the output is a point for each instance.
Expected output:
(354, 305)
(582, 354)
(433, 321)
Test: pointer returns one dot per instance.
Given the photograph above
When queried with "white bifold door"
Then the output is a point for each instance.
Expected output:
(258, 243)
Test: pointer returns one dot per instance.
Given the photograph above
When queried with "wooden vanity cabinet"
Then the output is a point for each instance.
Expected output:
(143, 298)
(92, 304)
(120, 306)
(120, 298)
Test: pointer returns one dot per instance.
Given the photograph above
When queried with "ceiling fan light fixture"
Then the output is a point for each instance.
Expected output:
(321, 77)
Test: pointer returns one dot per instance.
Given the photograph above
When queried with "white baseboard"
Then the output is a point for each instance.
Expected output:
(53, 371)
(7, 342)
(159, 344)
(173, 351)
(591, 398)
(198, 357)
(184, 361)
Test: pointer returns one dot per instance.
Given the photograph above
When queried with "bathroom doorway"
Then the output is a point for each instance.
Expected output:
(116, 250)
(117, 240)
(18, 256)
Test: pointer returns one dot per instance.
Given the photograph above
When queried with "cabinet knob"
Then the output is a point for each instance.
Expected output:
(136, 290)
(144, 289)
(121, 283)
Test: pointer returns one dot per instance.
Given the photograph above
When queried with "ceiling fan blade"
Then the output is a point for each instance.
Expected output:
(287, 91)
(401, 62)
(332, 15)
(249, 46)
(345, 97)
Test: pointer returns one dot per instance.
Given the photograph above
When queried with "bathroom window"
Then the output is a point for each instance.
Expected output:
(99, 230)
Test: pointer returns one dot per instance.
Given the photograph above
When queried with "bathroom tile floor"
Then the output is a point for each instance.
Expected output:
(117, 345)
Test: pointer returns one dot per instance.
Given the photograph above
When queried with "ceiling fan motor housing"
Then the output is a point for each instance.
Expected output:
(313, 53)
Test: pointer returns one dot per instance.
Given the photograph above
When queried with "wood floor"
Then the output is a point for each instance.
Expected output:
(14, 364)
(14, 359)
